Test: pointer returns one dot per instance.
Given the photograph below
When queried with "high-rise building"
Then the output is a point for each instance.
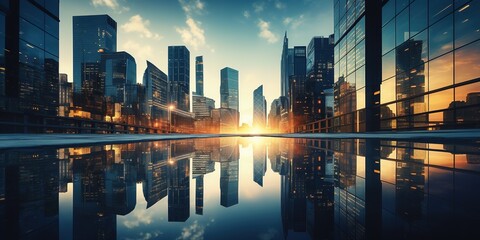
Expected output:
(259, 163)
(297, 93)
(117, 70)
(179, 77)
(65, 95)
(357, 72)
(29, 33)
(179, 191)
(199, 75)
(202, 106)
(286, 67)
(92, 36)
(156, 84)
(259, 108)
(319, 76)
(229, 90)
(428, 50)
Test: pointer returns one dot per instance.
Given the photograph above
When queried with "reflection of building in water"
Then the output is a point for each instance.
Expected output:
(259, 162)
(155, 183)
(178, 190)
(65, 170)
(29, 195)
(229, 155)
(202, 164)
(90, 217)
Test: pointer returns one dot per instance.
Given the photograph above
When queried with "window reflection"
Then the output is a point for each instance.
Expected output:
(360, 77)
(467, 24)
(440, 100)
(439, 9)
(360, 54)
(420, 43)
(388, 11)
(441, 72)
(388, 65)
(387, 91)
(467, 61)
(418, 16)
(402, 31)
(388, 37)
(441, 37)
(361, 99)
(360, 30)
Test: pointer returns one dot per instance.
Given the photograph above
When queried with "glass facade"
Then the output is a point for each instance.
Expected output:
(199, 75)
(29, 56)
(179, 76)
(350, 65)
(117, 70)
(259, 108)
(156, 84)
(229, 88)
(92, 36)
(286, 67)
(430, 73)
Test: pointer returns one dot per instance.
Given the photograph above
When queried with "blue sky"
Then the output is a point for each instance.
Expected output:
(243, 34)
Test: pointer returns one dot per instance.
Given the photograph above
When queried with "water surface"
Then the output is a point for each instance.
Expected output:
(242, 188)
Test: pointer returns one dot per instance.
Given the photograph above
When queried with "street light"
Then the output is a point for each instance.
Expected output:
(170, 108)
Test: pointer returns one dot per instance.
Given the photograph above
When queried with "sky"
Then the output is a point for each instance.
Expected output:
(246, 35)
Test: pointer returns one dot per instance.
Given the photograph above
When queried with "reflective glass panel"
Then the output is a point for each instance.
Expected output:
(388, 65)
(361, 99)
(419, 51)
(388, 37)
(387, 91)
(418, 16)
(467, 62)
(439, 9)
(388, 11)
(360, 77)
(441, 37)
(402, 31)
(440, 100)
(467, 24)
(441, 72)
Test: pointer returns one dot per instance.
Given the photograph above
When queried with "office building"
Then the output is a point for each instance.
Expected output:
(156, 84)
(199, 75)
(319, 76)
(286, 67)
(92, 36)
(65, 95)
(229, 93)
(179, 77)
(29, 32)
(117, 70)
(259, 109)
(299, 107)
(202, 106)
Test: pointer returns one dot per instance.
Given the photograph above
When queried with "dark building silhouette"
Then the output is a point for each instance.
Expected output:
(259, 109)
(29, 33)
(92, 36)
(179, 77)
(179, 190)
(156, 179)
(286, 67)
(319, 82)
(259, 163)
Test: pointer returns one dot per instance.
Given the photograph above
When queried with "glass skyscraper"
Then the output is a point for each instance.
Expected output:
(406, 65)
(179, 76)
(286, 67)
(319, 77)
(259, 108)
(199, 75)
(92, 36)
(117, 71)
(29, 52)
(229, 88)
(430, 58)
(156, 84)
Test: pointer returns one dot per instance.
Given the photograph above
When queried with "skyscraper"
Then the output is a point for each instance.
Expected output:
(202, 106)
(29, 32)
(259, 108)
(92, 36)
(199, 75)
(297, 91)
(156, 84)
(116, 71)
(229, 88)
(65, 92)
(319, 76)
(286, 67)
(179, 77)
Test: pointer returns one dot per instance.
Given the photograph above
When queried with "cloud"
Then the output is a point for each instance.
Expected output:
(192, 35)
(192, 232)
(246, 14)
(192, 6)
(265, 32)
(294, 22)
(138, 218)
(112, 4)
(279, 5)
(258, 7)
(137, 24)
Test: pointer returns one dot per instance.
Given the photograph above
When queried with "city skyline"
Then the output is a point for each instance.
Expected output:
(255, 29)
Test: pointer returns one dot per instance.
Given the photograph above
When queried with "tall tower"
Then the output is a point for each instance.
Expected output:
(229, 88)
(286, 67)
(179, 76)
(199, 75)
(29, 56)
(92, 36)
(259, 108)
